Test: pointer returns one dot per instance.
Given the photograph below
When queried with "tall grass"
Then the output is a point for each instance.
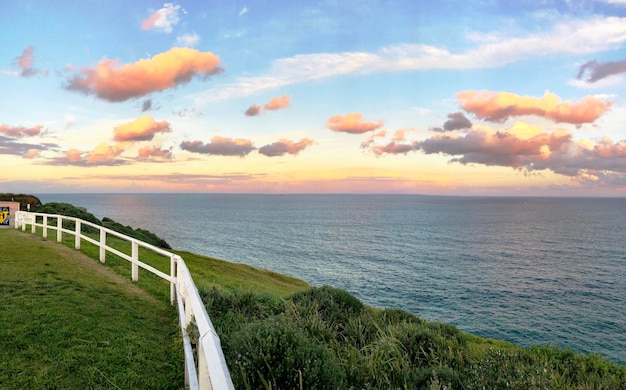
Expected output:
(283, 343)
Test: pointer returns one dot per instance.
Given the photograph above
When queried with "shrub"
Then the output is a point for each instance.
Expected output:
(335, 306)
(275, 353)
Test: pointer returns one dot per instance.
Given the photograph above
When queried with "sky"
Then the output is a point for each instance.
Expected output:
(447, 97)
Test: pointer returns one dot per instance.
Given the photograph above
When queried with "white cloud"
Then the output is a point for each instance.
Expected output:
(243, 11)
(188, 40)
(163, 19)
(577, 36)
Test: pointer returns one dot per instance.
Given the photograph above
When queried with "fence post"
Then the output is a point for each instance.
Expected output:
(33, 228)
(135, 257)
(77, 237)
(103, 243)
(59, 228)
(173, 275)
(204, 379)
(45, 226)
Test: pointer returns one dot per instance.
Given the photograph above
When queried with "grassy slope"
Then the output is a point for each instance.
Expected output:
(68, 322)
(487, 359)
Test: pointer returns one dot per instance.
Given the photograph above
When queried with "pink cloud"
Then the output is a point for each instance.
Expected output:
(116, 83)
(26, 63)
(142, 129)
(220, 146)
(277, 103)
(73, 155)
(32, 153)
(392, 148)
(352, 123)
(499, 106)
(154, 152)
(525, 147)
(20, 131)
(253, 110)
(163, 19)
(285, 146)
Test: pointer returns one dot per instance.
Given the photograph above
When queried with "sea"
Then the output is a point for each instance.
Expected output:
(529, 270)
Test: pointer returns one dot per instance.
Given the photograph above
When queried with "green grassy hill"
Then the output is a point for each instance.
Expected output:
(277, 332)
(68, 322)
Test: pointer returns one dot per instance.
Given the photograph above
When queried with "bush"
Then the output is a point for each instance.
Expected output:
(24, 200)
(334, 305)
(140, 234)
(275, 353)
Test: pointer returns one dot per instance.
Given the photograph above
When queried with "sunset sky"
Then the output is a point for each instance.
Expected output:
(451, 97)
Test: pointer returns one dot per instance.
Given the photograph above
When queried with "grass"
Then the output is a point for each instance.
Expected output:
(278, 332)
(69, 322)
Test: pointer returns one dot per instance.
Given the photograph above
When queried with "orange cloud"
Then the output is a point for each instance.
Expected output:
(115, 83)
(277, 103)
(20, 131)
(352, 123)
(104, 154)
(142, 129)
(148, 152)
(221, 146)
(499, 106)
(285, 146)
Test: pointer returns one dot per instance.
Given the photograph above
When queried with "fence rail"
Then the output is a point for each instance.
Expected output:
(204, 370)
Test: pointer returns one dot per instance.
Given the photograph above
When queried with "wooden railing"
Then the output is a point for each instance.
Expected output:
(204, 370)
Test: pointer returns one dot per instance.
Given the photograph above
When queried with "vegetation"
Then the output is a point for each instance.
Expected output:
(325, 338)
(24, 200)
(279, 333)
(67, 322)
(80, 212)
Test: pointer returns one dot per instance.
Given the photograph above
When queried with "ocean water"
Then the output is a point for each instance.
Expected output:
(532, 271)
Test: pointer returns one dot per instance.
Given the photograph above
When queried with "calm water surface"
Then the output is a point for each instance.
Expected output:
(526, 270)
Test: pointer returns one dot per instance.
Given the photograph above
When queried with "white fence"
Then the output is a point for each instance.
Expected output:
(208, 369)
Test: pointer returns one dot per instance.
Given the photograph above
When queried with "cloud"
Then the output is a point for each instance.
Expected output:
(163, 19)
(11, 147)
(188, 40)
(253, 110)
(187, 112)
(115, 83)
(277, 103)
(352, 123)
(573, 37)
(25, 63)
(142, 129)
(500, 106)
(285, 146)
(146, 105)
(457, 121)
(595, 71)
(392, 148)
(20, 131)
(102, 155)
(154, 153)
(243, 11)
(220, 146)
(529, 148)
(105, 154)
